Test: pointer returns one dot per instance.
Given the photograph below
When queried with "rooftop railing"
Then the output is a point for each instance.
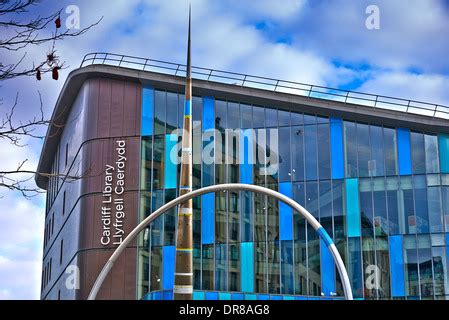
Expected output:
(276, 85)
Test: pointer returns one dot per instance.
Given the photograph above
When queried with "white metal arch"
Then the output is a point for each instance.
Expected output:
(228, 187)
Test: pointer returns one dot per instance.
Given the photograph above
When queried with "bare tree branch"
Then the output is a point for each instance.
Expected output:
(18, 31)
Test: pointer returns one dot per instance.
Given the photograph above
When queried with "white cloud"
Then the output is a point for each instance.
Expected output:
(422, 87)
(20, 247)
(413, 34)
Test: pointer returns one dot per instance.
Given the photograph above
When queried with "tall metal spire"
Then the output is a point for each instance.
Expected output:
(183, 286)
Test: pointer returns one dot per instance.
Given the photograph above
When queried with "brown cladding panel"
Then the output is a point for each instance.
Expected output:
(117, 115)
(116, 108)
(92, 108)
(104, 112)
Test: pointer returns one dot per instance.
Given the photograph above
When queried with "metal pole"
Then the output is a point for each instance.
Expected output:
(221, 187)
(183, 286)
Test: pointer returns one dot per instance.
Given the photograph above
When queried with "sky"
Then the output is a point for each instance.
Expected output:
(312, 41)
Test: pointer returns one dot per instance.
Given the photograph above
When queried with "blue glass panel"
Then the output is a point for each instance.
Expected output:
(250, 297)
(168, 254)
(404, 154)
(247, 156)
(397, 266)
(352, 207)
(224, 296)
(327, 270)
(208, 140)
(147, 111)
(443, 142)
(208, 113)
(287, 274)
(167, 295)
(170, 166)
(263, 297)
(338, 165)
(273, 297)
(289, 298)
(237, 296)
(300, 298)
(211, 296)
(157, 295)
(247, 266)
(355, 266)
(286, 212)
(198, 295)
(207, 218)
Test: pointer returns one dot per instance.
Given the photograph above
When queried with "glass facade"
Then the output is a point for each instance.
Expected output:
(380, 192)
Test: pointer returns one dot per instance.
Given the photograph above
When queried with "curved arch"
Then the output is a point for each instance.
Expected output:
(222, 187)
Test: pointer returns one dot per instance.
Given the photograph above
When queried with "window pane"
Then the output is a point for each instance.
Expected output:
(297, 149)
(411, 267)
(273, 267)
(233, 115)
(221, 219)
(234, 216)
(247, 120)
(258, 117)
(287, 267)
(418, 152)
(366, 208)
(297, 118)
(422, 218)
(434, 203)
(313, 245)
(324, 160)
(156, 268)
(439, 267)
(326, 206)
(363, 149)
(390, 151)
(284, 154)
(234, 267)
(392, 187)
(380, 207)
(425, 266)
(172, 111)
(383, 263)
(350, 149)
(432, 160)
(369, 254)
(376, 165)
(169, 219)
(310, 139)
(159, 111)
(338, 211)
(208, 267)
(284, 118)
(220, 266)
(406, 209)
(271, 117)
(445, 205)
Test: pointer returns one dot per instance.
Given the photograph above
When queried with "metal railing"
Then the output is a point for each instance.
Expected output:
(276, 85)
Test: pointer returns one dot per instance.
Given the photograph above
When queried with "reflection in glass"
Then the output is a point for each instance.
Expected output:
(363, 150)
(390, 151)
(284, 155)
(311, 161)
(418, 153)
(350, 135)
(432, 159)
(376, 164)
(297, 149)
(324, 161)
(411, 267)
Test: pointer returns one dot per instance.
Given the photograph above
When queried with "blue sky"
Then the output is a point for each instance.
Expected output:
(317, 42)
